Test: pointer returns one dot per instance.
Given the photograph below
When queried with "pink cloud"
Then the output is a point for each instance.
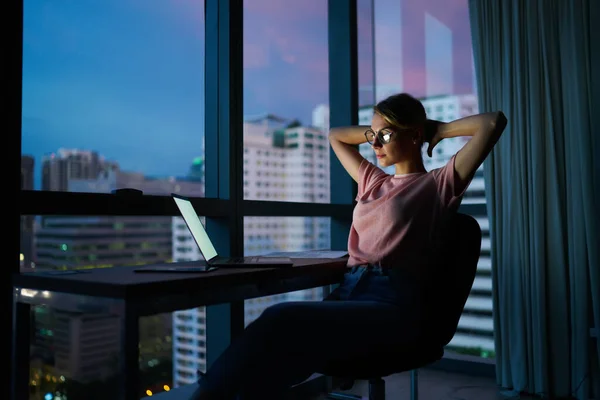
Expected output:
(282, 30)
(400, 46)
(255, 56)
(294, 34)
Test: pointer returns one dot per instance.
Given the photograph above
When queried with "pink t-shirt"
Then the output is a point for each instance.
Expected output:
(396, 219)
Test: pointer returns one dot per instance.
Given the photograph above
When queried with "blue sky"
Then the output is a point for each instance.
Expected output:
(126, 77)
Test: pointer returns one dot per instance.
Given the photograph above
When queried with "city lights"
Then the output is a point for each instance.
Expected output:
(95, 136)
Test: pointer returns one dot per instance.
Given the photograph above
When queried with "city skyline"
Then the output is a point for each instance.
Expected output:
(124, 79)
(92, 81)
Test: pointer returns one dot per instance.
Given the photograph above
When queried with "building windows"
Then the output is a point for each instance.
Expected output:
(283, 137)
(135, 120)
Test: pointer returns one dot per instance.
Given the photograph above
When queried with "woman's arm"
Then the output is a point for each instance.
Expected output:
(343, 142)
(485, 130)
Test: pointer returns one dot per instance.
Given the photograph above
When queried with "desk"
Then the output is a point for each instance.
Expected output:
(127, 295)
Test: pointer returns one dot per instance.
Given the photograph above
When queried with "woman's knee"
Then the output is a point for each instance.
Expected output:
(282, 315)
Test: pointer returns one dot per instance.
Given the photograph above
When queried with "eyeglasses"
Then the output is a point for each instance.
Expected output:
(384, 136)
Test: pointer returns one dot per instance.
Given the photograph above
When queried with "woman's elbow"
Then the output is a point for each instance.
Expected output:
(334, 134)
(498, 124)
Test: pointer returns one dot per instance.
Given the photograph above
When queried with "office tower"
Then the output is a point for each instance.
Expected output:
(105, 241)
(27, 165)
(67, 164)
(86, 345)
(77, 242)
(189, 326)
(77, 341)
(285, 163)
(102, 241)
(27, 256)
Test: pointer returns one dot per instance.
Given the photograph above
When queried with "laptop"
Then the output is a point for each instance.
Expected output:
(208, 249)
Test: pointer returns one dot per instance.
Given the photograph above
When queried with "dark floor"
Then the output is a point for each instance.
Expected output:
(433, 385)
(436, 385)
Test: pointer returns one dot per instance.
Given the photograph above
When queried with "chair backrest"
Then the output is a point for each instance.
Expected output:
(453, 276)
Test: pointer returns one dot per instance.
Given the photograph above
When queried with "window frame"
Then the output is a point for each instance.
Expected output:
(223, 204)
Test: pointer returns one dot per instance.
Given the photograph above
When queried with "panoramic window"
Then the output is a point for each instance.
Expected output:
(424, 48)
(113, 96)
(286, 96)
(286, 122)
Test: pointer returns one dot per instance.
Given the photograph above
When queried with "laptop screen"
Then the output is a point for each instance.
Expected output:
(196, 228)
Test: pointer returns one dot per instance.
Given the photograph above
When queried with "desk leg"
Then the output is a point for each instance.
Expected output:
(130, 367)
(326, 291)
(21, 335)
(223, 323)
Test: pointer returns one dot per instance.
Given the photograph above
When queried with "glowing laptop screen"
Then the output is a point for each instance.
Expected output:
(196, 228)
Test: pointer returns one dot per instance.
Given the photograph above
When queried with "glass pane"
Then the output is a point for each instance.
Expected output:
(80, 242)
(189, 326)
(424, 48)
(76, 348)
(286, 96)
(189, 345)
(172, 346)
(113, 96)
(263, 235)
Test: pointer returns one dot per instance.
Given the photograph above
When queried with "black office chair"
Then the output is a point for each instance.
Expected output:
(450, 287)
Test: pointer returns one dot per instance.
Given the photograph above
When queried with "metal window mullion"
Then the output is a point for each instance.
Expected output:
(223, 153)
(343, 103)
(292, 209)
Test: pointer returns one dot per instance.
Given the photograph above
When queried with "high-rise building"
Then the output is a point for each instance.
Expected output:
(189, 326)
(86, 345)
(76, 170)
(289, 163)
(27, 165)
(27, 233)
(102, 241)
(81, 345)
(63, 333)
(78, 242)
(67, 164)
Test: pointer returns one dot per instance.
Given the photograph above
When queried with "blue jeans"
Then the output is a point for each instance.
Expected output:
(371, 311)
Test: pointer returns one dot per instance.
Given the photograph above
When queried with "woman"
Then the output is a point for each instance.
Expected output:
(393, 235)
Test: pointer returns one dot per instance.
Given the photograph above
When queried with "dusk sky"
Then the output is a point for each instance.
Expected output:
(126, 77)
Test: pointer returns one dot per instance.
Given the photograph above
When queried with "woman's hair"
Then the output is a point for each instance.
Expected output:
(402, 110)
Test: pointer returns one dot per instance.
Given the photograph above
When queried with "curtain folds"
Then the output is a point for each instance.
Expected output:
(533, 61)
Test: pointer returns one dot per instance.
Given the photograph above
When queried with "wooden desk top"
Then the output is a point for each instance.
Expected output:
(213, 287)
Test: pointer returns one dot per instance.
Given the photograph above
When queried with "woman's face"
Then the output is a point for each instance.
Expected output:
(401, 146)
